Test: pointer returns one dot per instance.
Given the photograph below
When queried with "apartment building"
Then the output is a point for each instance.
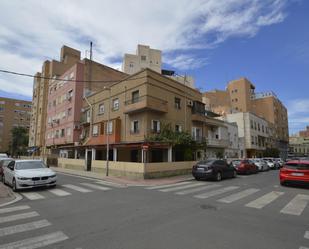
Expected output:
(70, 73)
(299, 146)
(147, 57)
(235, 148)
(253, 130)
(50, 69)
(304, 133)
(126, 113)
(240, 96)
(13, 113)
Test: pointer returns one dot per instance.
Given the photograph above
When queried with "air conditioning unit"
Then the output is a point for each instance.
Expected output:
(82, 110)
(189, 103)
(69, 97)
(76, 127)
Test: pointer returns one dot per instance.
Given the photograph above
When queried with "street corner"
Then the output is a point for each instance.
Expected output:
(7, 196)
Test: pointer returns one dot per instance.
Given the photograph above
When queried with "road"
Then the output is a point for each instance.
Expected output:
(247, 212)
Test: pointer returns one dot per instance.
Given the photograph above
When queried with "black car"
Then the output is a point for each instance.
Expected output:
(213, 169)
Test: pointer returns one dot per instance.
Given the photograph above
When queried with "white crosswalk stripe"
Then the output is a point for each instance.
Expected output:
(306, 236)
(111, 184)
(37, 242)
(238, 196)
(59, 192)
(190, 191)
(77, 188)
(264, 200)
(302, 247)
(33, 196)
(181, 187)
(23, 227)
(216, 192)
(13, 209)
(18, 217)
(297, 205)
(168, 185)
(94, 186)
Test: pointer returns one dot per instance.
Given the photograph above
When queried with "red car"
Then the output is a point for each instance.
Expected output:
(295, 171)
(245, 167)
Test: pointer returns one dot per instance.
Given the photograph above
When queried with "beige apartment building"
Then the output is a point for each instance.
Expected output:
(13, 113)
(299, 146)
(91, 78)
(240, 96)
(146, 57)
(127, 113)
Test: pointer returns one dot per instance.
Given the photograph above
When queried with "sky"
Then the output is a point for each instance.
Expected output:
(215, 41)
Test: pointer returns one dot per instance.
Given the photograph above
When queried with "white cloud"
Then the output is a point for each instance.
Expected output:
(298, 111)
(39, 29)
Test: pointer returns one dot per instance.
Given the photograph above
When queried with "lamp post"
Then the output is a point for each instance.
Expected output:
(107, 129)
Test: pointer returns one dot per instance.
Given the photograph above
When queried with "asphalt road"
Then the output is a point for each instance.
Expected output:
(247, 212)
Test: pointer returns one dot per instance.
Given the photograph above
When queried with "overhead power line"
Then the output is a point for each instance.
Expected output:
(68, 80)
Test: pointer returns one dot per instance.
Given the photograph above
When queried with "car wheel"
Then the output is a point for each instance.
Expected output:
(218, 176)
(14, 186)
(282, 183)
(197, 178)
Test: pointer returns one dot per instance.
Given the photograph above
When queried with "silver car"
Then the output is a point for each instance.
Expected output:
(261, 164)
(24, 174)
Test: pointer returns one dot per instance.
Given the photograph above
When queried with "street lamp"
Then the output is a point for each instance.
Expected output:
(107, 129)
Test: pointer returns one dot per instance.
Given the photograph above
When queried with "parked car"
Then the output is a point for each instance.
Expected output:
(23, 174)
(279, 161)
(261, 164)
(245, 166)
(3, 163)
(213, 169)
(272, 163)
(295, 171)
(3, 155)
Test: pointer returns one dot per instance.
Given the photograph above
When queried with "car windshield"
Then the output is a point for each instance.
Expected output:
(30, 165)
(236, 162)
(298, 166)
(205, 162)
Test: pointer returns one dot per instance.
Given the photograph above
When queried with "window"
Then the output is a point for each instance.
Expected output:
(155, 126)
(135, 96)
(116, 104)
(68, 131)
(110, 127)
(259, 127)
(69, 111)
(252, 140)
(262, 128)
(143, 57)
(177, 103)
(95, 130)
(102, 128)
(62, 134)
(101, 109)
(70, 94)
(178, 128)
(135, 126)
(254, 125)
(251, 123)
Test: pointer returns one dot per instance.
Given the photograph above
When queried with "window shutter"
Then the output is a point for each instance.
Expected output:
(132, 125)
(180, 128)
(158, 125)
(152, 124)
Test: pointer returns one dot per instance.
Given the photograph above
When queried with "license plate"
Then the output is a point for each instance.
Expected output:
(297, 174)
(200, 169)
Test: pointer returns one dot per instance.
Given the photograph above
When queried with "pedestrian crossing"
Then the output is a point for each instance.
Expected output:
(253, 198)
(17, 225)
(66, 190)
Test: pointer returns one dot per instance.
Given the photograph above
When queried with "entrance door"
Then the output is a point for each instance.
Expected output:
(89, 160)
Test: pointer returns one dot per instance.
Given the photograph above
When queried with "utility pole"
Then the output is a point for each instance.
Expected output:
(107, 129)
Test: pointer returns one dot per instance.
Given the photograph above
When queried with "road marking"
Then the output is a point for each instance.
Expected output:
(190, 191)
(59, 192)
(111, 184)
(13, 209)
(18, 217)
(36, 242)
(181, 187)
(306, 236)
(168, 185)
(33, 196)
(302, 247)
(77, 188)
(23, 227)
(216, 192)
(94, 186)
(297, 205)
(239, 195)
(264, 200)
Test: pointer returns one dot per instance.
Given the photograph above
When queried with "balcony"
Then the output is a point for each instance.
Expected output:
(213, 142)
(145, 103)
(198, 117)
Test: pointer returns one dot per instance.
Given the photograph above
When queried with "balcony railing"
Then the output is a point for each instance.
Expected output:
(144, 103)
(213, 142)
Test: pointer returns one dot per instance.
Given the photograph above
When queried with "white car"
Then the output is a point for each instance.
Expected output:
(23, 174)
(3, 155)
(261, 164)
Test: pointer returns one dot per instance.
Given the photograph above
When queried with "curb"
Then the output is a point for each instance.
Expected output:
(17, 198)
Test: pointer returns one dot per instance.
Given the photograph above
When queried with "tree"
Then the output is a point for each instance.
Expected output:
(271, 152)
(19, 144)
(181, 141)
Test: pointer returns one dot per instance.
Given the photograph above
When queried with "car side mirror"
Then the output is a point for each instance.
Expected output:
(11, 167)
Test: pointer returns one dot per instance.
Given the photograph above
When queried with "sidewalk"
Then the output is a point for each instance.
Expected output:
(6, 194)
(124, 180)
